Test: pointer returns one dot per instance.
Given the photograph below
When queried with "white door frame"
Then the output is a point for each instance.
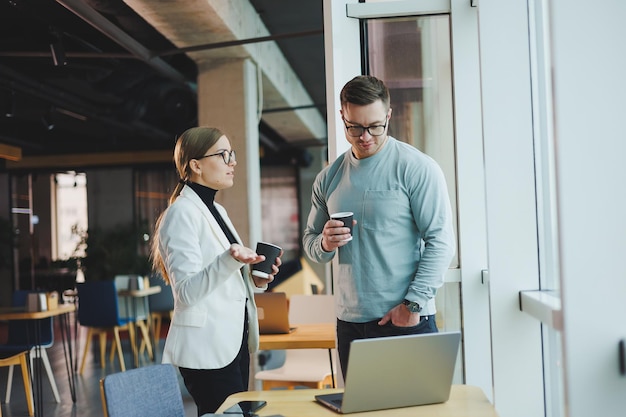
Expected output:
(343, 62)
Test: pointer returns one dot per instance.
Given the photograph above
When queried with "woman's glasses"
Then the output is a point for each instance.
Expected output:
(227, 156)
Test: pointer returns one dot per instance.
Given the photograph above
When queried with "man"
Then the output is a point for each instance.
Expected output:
(403, 239)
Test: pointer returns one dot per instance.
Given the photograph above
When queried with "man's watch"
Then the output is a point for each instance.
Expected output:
(412, 306)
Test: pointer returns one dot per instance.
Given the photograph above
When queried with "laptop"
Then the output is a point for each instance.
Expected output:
(397, 371)
(273, 312)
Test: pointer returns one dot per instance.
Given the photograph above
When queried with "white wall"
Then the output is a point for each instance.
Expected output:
(589, 91)
(511, 220)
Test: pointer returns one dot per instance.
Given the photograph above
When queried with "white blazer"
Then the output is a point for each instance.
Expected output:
(209, 289)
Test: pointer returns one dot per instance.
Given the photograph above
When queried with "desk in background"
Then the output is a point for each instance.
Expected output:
(304, 336)
(62, 311)
(465, 401)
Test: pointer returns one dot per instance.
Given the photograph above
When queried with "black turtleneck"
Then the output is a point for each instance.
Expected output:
(208, 197)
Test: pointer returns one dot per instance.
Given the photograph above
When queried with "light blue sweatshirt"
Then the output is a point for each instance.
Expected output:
(403, 241)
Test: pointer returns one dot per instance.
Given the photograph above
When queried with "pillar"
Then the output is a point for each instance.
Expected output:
(228, 98)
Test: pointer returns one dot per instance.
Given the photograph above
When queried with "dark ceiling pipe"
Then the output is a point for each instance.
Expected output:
(169, 52)
(107, 28)
(238, 42)
(25, 85)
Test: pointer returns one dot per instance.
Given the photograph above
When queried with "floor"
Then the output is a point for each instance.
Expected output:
(88, 403)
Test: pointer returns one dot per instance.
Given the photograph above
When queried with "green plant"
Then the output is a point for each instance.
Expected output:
(113, 251)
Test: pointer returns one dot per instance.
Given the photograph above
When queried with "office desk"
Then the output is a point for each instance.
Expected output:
(63, 311)
(135, 295)
(304, 336)
(465, 401)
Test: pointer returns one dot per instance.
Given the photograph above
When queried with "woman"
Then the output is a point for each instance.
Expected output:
(198, 252)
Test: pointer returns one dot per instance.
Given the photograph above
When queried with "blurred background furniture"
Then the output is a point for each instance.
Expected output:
(98, 311)
(161, 306)
(149, 391)
(133, 305)
(312, 368)
(22, 336)
(20, 360)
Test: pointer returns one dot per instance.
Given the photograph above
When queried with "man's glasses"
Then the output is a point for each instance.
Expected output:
(375, 130)
(227, 156)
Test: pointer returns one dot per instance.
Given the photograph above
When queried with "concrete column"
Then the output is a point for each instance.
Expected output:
(228, 98)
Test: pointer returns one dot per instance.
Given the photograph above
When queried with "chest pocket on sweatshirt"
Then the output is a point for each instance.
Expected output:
(382, 208)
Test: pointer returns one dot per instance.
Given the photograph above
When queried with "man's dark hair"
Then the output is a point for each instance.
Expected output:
(363, 90)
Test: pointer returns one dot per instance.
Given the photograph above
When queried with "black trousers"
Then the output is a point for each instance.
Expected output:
(210, 387)
(347, 332)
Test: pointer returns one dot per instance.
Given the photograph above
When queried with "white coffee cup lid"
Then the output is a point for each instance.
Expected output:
(342, 214)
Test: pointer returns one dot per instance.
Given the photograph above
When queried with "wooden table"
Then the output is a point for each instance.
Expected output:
(304, 336)
(465, 401)
(62, 311)
(134, 295)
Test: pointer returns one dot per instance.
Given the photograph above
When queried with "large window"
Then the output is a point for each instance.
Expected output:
(547, 233)
(412, 56)
(70, 214)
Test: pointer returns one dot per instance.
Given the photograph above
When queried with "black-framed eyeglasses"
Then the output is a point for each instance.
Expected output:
(356, 130)
(227, 156)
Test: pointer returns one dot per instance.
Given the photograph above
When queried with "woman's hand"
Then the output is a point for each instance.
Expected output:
(261, 282)
(245, 255)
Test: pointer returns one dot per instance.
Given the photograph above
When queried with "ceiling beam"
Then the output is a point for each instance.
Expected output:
(10, 153)
(194, 22)
(90, 160)
(102, 24)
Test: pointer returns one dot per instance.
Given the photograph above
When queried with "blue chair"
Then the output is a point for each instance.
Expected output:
(149, 391)
(161, 306)
(135, 310)
(22, 337)
(98, 310)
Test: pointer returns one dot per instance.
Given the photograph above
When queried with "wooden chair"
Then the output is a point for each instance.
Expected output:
(98, 311)
(20, 360)
(135, 311)
(161, 307)
(305, 367)
(21, 337)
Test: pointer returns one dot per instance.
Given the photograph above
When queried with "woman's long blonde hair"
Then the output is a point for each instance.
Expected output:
(191, 144)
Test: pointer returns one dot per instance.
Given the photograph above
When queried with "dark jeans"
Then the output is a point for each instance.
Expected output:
(210, 387)
(347, 332)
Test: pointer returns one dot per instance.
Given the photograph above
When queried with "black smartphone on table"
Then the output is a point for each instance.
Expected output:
(246, 408)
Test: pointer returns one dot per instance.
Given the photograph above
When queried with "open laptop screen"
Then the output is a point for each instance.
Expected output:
(273, 312)
(397, 371)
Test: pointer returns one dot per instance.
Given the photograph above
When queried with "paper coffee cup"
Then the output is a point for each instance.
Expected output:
(271, 252)
(346, 217)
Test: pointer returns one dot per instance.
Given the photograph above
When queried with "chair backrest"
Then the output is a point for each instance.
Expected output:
(125, 304)
(164, 300)
(21, 333)
(97, 304)
(317, 308)
(148, 391)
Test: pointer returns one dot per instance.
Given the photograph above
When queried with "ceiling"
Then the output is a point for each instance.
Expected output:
(94, 76)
